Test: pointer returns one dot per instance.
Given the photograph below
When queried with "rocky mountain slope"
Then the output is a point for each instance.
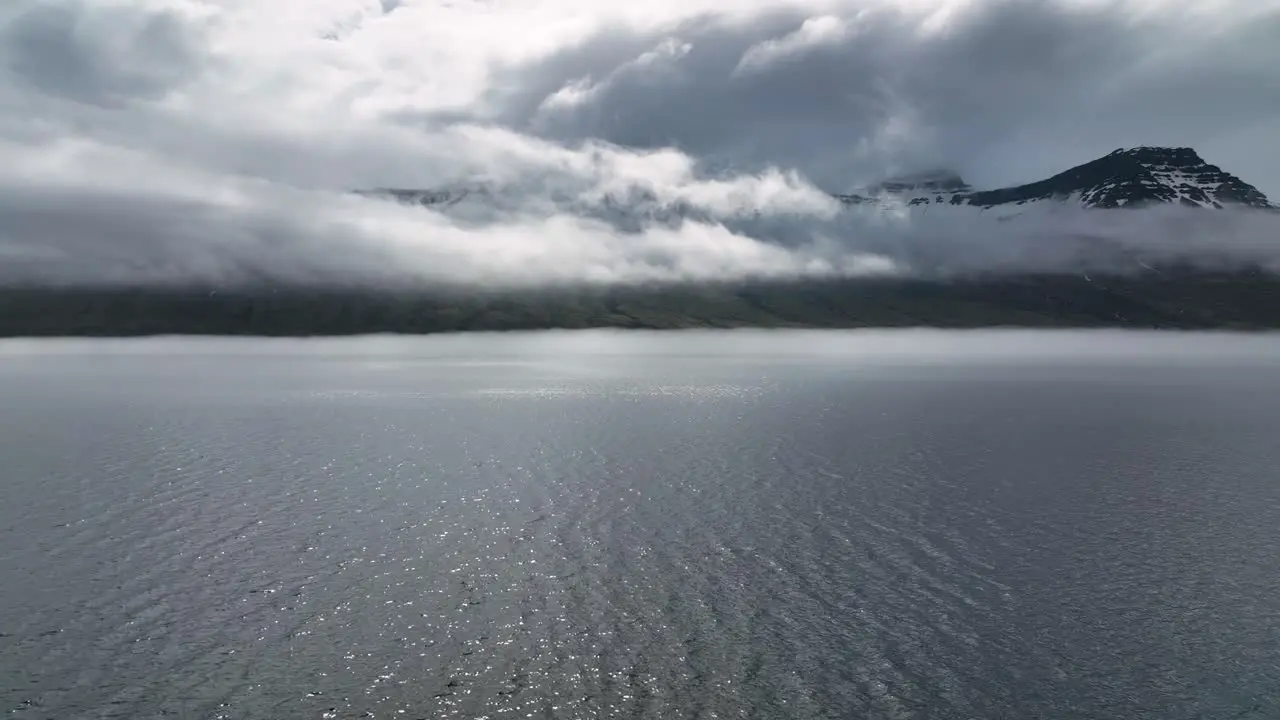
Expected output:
(1126, 178)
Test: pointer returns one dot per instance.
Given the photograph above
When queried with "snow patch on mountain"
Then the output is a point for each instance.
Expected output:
(1127, 178)
(929, 223)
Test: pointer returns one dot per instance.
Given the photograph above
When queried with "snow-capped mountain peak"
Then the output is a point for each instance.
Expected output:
(1125, 178)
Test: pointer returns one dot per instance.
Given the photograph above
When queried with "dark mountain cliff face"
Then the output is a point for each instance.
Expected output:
(1127, 178)
(1133, 178)
(938, 181)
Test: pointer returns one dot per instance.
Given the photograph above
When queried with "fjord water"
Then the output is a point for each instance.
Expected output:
(773, 525)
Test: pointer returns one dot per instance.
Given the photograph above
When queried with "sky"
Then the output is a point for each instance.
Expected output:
(218, 140)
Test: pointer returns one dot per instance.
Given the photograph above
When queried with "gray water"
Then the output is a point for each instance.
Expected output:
(777, 525)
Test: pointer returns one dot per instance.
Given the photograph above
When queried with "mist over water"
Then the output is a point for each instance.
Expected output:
(577, 525)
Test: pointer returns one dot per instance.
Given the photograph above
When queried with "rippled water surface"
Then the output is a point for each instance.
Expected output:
(679, 526)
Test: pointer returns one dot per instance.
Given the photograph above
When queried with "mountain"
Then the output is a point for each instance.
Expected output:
(1127, 178)
(937, 181)
(1121, 291)
(628, 211)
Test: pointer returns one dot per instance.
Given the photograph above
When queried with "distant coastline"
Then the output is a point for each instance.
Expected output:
(1191, 300)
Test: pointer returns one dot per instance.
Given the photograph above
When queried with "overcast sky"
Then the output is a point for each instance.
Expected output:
(216, 138)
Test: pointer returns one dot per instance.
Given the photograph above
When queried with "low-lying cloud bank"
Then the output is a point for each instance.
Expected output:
(270, 234)
(171, 141)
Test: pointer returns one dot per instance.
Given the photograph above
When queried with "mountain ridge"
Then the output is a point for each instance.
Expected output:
(1128, 178)
(1125, 178)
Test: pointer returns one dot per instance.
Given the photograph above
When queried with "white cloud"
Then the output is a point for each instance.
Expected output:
(582, 90)
(813, 32)
(212, 138)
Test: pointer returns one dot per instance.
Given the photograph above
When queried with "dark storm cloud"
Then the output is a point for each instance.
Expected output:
(97, 54)
(1005, 91)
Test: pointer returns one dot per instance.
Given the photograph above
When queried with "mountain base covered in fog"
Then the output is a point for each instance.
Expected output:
(1148, 237)
(1170, 300)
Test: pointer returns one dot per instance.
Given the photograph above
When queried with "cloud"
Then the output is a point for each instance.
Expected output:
(813, 32)
(98, 53)
(170, 140)
(1006, 91)
(648, 67)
